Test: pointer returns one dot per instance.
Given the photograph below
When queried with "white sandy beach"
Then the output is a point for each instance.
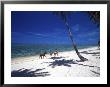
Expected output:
(66, 64)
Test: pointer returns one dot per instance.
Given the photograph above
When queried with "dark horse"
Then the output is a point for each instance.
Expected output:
(51, 53)
(42, 55)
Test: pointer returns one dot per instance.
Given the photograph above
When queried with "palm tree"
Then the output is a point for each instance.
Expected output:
(63, 15)
(94, 17)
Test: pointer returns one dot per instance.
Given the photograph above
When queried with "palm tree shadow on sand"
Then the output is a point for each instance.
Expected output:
(86, 52)
(92, 53)
(68, 63)
(62, 62)
(28, 73)
(54, 58)
(97, 73)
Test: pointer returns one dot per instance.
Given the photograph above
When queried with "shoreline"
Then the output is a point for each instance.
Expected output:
(64, 64)
(48, 53)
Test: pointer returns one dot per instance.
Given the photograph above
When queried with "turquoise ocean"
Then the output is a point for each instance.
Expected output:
(22, 50)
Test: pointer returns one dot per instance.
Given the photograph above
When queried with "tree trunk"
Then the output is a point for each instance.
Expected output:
(73, 44)
(63, 16)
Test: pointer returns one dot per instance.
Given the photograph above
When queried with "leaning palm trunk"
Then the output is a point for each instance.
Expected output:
(63, 16)
(73, 44)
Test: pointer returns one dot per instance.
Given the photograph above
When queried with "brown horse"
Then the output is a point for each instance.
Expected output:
(51, 53)
(42, 55)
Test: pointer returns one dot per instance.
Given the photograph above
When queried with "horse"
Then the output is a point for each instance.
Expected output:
(51, 53)
(55, 53)
(42, 55)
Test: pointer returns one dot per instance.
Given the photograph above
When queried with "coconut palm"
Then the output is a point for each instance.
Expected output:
(63, 15)
(94, 17)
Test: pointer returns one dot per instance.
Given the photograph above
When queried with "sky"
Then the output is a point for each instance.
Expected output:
(44, 27)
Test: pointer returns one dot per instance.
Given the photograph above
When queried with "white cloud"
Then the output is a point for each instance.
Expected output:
(42, 35)
(89, 34)
(76, 27)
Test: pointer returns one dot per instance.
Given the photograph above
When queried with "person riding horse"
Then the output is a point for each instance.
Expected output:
(55, 52)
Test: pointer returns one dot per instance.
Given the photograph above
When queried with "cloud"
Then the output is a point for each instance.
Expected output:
(25, 35)
(76, 27)
(37, 34)
(45, 35)
(52, 35)
(89, 34)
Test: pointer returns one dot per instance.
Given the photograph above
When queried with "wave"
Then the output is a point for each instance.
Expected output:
(21, 50)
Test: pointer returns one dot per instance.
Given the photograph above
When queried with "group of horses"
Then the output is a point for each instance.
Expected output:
(42, 55)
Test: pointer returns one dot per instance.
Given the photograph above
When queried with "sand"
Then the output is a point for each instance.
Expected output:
(66, 64)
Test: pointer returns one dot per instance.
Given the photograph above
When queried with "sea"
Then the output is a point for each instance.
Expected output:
(22, 50)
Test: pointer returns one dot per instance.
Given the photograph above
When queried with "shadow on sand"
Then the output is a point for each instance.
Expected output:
(86, 52)
(95, 72)
(27, 73)
(88, 65)
(62, 62)
(67, 63)
(54, 58)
